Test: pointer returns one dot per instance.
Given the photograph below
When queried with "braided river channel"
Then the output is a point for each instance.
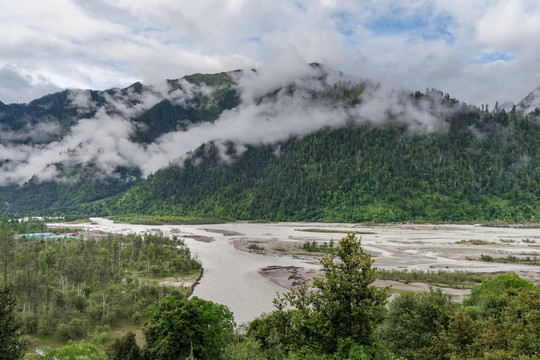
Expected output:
(234, 254)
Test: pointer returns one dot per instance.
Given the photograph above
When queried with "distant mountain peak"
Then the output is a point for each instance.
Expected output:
(530, 102)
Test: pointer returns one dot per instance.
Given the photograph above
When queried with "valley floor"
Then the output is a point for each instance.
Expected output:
(234, 254)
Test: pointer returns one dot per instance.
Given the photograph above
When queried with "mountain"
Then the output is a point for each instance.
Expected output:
(56, 151)
(530, 103)
(355, 174)
(307, 144)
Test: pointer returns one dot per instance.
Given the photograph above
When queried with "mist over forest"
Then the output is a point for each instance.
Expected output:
(287, 141)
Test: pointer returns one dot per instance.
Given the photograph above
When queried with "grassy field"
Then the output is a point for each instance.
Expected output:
(528, 260)
(451, 279)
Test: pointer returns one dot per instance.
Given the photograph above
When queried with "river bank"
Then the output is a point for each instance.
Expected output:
(232, 270)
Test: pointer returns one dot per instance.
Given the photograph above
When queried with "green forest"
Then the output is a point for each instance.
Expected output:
(358, 174)
(70, 286)
(480, 166)
(346, 317)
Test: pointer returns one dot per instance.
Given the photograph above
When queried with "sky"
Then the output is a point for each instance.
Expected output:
(479, 51)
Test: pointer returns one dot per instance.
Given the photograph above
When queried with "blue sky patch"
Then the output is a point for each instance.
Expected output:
(255, 39)
(425, 24)
(497, 56)
(345, 22)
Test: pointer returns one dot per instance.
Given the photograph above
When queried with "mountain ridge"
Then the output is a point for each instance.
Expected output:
(254, 129)
(530, 103)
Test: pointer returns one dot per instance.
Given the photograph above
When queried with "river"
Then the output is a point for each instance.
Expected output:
(231, 276)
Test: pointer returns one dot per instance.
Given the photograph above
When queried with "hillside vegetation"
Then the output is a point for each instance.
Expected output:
(420, 157)
(69, 286)
(485, 167)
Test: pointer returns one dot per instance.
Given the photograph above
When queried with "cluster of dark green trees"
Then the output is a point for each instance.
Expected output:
(179, 328)
(68, 286)
(485, 167)
(343, 317)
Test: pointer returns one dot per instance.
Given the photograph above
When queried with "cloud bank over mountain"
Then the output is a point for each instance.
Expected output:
(284, 97)
(478, 51)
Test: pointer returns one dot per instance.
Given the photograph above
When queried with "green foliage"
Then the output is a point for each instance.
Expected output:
(72, 351)
(483, 168)
(68, 286)
(249, 349)
(167, 220)
(343, 309)
(513, 332)
(255, 247)
(12, 345)
(315, 247)
(455, 342)
(337, 231)
(475, 242)
(491, 295)
(22, 227)
(84, 184)
(358, 174)
(181, 327)
(453, 279)
(511, 259)
(518, 323)
(7, 244)
(125, 348)
(414, 320)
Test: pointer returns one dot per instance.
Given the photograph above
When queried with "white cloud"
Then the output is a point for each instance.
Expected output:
(17, 87)
(510, 25)
(283, 98)
(417, 44)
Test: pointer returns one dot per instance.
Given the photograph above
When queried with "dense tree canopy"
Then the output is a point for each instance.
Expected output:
(414, 320)
(181, 327)
(68, 285)
(479, 169)
(479, 166)
(339, 315)
(12, 345)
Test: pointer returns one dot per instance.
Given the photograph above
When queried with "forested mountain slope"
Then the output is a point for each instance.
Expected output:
(69, 148)
(485, 167)
(305, 144)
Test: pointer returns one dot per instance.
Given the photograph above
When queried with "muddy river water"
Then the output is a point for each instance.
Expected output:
(231, 276)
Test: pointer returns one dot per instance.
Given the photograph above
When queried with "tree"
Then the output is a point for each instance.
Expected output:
(181, 327)
(175, 330)
(343, 309)
(250, 349)
(455, 342)
(517, 325)
(491, 295)
(12, 345)
(415, 319)
(7, 242)
(508, 328)
(219, 321)
(125, 348)
(72, 351)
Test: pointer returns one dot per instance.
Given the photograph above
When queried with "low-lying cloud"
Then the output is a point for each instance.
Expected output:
(286, 98)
